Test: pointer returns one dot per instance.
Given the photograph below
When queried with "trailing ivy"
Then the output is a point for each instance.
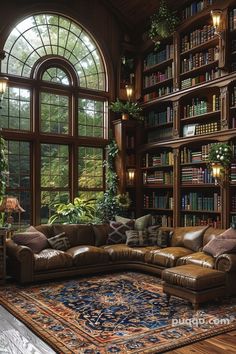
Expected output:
(3, 168)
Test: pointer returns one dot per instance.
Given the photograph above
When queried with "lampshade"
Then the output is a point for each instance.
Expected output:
(11, 204)
(3, 84)
(216, 18)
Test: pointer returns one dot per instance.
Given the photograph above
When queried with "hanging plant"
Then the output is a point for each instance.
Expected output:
(3, 168)
(163, 23)
(220, 153)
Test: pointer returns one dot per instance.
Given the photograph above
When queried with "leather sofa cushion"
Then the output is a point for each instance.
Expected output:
(199, 258)
(193, 277)
(78, 234)
(211, 233)
(46, 229)
(101, 234)
(52, 259)
(181, 233)
(122, 252)
(166, 257)
(88, 255)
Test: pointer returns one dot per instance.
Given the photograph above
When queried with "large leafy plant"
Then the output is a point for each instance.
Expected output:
(163, 23)
(131, 108)
(78, 212)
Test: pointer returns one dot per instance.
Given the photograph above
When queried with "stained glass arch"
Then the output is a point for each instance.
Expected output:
(54, 35)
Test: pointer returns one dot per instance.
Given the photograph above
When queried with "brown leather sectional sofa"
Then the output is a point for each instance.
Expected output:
(90, 254)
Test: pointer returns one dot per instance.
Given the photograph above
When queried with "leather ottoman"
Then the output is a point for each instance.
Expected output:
(194, 283)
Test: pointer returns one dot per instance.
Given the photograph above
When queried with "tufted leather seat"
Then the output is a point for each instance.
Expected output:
(52, 259)
(122, 252)
(199, 258)
(166, 257)
(83, 255)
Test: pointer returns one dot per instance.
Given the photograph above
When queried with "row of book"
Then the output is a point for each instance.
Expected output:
(155, 58)
(199, 129)
(233, 97)
(154, 200)
(156, 77)
(200, 106)
(199, 201)
(196, 175)
(163, 220)
(130, 141)
(232, 20)
(194, 8)
(154, 118)
(161, 91)
(233, 172)
(207, 76)
(189, 156)
(200, 220)
(197, 37)
(159, 134)
(162, 159)
(199, 59)
(158, 177)
(233, 203)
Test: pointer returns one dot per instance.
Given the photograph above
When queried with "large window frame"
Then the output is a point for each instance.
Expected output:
(36, 137)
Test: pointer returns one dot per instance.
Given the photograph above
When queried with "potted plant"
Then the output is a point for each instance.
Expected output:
(127, 109)
(163, 23)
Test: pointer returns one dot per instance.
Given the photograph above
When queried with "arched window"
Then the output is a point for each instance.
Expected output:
(54, 113)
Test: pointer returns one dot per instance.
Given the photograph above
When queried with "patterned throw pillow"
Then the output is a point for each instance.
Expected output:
(60, 242)
(117, 232)
(158, 237)
(140, 224)
(137, 238)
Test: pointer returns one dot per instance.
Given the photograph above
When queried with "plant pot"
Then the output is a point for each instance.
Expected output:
(125, 116)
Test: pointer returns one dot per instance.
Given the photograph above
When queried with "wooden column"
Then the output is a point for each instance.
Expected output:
(176, 123)
(176, 62)
(176, 187)
(225, 112)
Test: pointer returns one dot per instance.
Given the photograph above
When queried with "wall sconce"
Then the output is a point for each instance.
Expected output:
(218, 173)
(131, 176)
(129, 91)
(216, 20)
(3, 87)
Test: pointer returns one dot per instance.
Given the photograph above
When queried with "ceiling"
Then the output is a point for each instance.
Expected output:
(135, 14)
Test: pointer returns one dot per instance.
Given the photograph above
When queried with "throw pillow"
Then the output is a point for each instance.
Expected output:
(193, 240)
(117, 232)
(137, 238)
(218, 246)
(60, 242)
(228, 234)
(140, 224)
(35, 240)
(101, 234)
(159, 237)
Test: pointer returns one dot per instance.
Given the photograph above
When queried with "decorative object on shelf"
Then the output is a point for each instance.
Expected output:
(216, 20)
(127, 109)
(163, 23)
(130, 176)
(11, 205)
(3, 87)
(220, 157)
(79, 211)
(123, 200)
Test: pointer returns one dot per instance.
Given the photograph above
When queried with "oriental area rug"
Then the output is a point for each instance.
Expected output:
(114, 313)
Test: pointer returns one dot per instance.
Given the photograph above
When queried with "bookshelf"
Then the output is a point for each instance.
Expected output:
(189, 103)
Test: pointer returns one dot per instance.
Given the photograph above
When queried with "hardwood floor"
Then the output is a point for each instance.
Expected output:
(16, 338)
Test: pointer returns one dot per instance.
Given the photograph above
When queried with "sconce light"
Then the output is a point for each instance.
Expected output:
(216, 20)
(129, 91)
(131, 176)
(3, 87)
(218, 173)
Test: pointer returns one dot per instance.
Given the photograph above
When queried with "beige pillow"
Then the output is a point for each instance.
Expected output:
(140, 224)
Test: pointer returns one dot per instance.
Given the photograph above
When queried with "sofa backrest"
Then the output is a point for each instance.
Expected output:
(78, 234)
(211, 233)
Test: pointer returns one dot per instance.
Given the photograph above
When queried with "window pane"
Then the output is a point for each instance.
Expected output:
(54, 166)
(56, 75)
(90, 167)
(54, 113)
(48, 200)
(15, 113)
(91, 118)
(48, 34)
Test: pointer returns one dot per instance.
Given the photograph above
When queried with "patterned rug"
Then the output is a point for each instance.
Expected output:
(116, 313)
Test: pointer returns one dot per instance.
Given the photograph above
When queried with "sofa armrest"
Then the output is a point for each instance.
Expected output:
(226, 262)
(20, 262)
